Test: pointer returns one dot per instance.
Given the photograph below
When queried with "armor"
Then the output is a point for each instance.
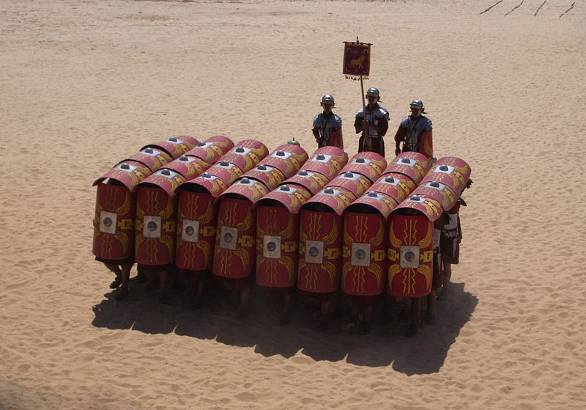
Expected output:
(277, 234)
(115, 211)
(412, 239)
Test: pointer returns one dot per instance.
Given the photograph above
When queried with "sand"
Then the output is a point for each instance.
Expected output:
(85, 83)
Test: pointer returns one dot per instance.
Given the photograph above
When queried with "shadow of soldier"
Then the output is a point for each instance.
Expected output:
(386, 345)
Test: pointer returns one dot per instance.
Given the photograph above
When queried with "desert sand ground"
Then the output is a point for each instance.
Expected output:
(85, 83)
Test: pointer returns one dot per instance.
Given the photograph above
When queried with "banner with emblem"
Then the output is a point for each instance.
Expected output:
(356, 59)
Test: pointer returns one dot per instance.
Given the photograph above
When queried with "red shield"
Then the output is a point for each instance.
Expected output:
(411, 242)
(353, 182)
(115, 211)
(356, 59)
(439, 192)
(277, 234)
(151, 157)
(246, 154)
(287, 158)
(312, 181)
(320, 240)
(450, 171)
(397, 186)
(412, 164)
(364, 253)
(212, 149)
(196, 233)
(369, 164)
(328, 161)
(155, 226)
(188, 166)
(235, 233)
(114, 223)
(234, 248)
(410, 254)
(175, 146)
(334, 198)
(271, 177)
(226, 171)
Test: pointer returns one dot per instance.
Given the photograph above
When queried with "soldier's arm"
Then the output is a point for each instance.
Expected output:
(399, 137)
(358, 124)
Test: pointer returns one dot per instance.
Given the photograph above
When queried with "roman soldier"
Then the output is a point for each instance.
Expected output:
(373, 122)
(327, 126)
(415, 132)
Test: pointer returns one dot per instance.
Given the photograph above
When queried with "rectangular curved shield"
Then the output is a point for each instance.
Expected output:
(364, 254)
(320, 242)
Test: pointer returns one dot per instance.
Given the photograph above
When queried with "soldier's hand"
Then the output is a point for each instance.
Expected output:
(364, 124)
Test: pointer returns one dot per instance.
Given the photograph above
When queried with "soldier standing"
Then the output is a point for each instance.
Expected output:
(415, 132)
(327, 126)
(373, 122)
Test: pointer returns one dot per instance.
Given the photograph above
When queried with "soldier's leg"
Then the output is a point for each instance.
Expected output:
(327, 310)
(244, 306)
(164, 285)
(430, 313)
(124, 278)
(415, 317)
(286, 314)
(115, 269)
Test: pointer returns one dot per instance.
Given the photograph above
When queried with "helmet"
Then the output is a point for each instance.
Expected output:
(328, 100)
(416, 104)
(372, 91)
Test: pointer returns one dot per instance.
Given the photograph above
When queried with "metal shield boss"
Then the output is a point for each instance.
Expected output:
(364, 253)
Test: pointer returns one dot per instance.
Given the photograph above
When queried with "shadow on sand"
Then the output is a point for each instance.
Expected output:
(385, 345)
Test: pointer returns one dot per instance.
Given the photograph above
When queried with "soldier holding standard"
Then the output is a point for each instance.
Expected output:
(415, 132)
(373, 122)
(327, 126)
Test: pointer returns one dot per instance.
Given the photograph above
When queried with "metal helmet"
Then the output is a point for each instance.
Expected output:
(328, 100)
(372, 91)
(416, 104)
